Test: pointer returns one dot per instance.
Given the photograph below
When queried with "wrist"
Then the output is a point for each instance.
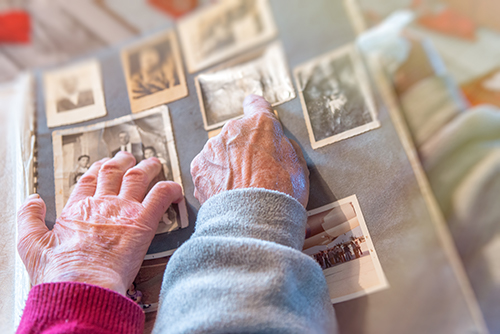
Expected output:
(253, 213)
(104, 278)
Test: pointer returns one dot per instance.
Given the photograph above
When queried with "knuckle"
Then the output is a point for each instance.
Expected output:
(264, 120)
(233, 128)
(232, 124)
(209, 147)
(210, 144)
(195, 165)
(165, 187)
(110, 167)
(125, 154)
(33, 206)
(137, 175)
(22, 247)
(88, 179)
(154, 161)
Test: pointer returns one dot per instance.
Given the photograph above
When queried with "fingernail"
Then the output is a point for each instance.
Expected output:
(33, 196)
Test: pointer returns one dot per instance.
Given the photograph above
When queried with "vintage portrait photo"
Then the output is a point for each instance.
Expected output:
(145, 290)
(338, 239)
(146, 135)
(74, 94)
(218, 32)
(336, 97)
(221, 91)
(153, 71)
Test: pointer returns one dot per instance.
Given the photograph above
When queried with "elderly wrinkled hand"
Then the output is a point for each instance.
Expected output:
(251, 152)
(105, 229)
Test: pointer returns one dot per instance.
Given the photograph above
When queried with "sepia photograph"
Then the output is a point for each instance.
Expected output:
(335, 96)
(338, 239)
(153, 71)
(221, 91)
(146, 287)
(218, 32)
(74, 94)
(146, 135)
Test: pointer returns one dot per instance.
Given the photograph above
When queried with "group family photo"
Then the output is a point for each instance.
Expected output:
(337, 238)
(144, 136)
(340, 253)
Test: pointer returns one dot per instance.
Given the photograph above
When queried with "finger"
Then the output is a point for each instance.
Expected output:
(198, 165)
(137, 179)
(300, 155)
(255, 104)
(86, 186)
(31, 221)
(304, 197)
(259, 116)
(111, 174)
(162, 195)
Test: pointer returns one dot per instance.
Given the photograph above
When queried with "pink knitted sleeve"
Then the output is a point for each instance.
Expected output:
(71, 307)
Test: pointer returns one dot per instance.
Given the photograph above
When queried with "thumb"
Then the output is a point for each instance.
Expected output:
(254, 104)
(31, 220)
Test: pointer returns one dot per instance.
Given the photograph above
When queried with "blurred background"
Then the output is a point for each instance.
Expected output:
(444, 58)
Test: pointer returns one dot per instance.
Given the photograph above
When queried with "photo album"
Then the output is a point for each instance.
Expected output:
(372, 224)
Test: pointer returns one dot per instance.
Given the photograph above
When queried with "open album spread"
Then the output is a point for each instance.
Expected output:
(371, 224)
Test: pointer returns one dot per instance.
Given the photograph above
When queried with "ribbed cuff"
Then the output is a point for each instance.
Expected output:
(83, 305)
(254, 213)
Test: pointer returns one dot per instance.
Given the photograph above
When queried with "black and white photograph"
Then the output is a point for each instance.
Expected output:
(335, 96)
(221, 91)
(153, 72)
(146, 287)
(338, 239)
(218, 32)
(74, 94)
(146, 135)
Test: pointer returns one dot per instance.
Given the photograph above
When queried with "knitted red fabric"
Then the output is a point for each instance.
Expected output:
(71, 307)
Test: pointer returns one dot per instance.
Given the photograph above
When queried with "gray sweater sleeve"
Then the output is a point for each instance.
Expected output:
(242, 271)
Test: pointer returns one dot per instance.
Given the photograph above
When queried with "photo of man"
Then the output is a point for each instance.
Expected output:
(146, 135)
(72, 97)
(127, 146)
